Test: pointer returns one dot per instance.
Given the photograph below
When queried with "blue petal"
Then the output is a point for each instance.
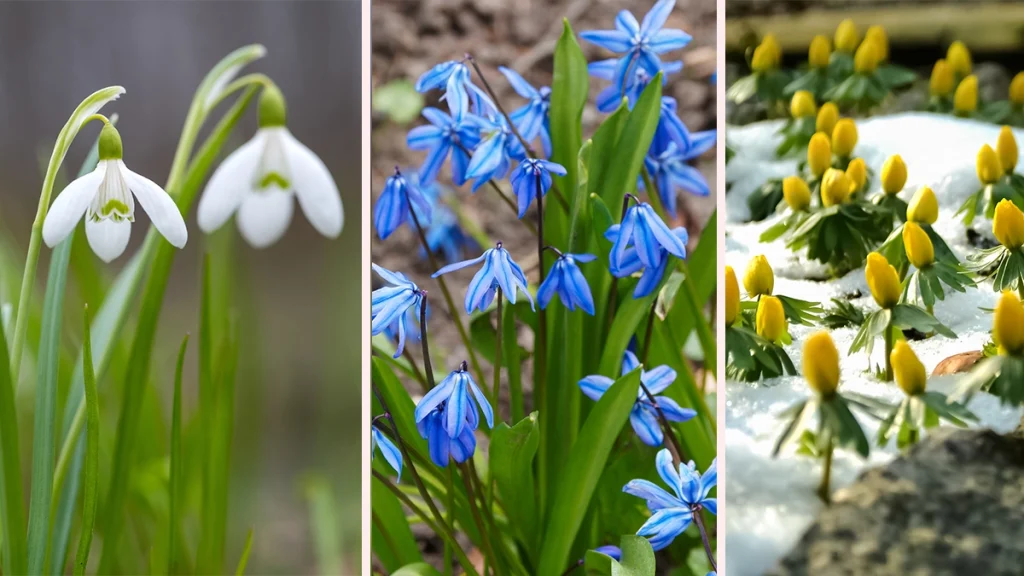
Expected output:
(394, 278)
(604, 69)
(435, 77)
(391, 310)
(503, 274)
(612, 551)
(629, 223)
(668, 40)
(595, 385)
(690, 179)
(487, 156)
(700, 142)
(711, 505)
(455, 410)
(689, 484)
(462, 448)
(650, 279)
(661, 232)
(387, 213)
(520, 279)
(391, 453)
(629, 362)
(626, 22)
(673, 411)
(423, 137)
(656, 17)
(671, 68)
(666, 191)
(583, 258)
(519, 84)
(528, 120)
(437, 117)
(547, 289)
(480, 283)
(434, 398)
(665, 525)
(485, 406)
(667, 470)
(460, 159)
(648, 247)
(614, 40)
(609, 99)
(649, 62)
(401, 336)
(433, 162)
(459, 265)
(577, 285)
(655, 496)
(658, 378)
(553, 167)
(645, 424)
(709, 479)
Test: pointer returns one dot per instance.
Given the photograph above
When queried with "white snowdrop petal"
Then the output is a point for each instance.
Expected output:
(315, 188)
(108, 238)
(231, 182)
(69, 206)
(162, 211)
(264, 216)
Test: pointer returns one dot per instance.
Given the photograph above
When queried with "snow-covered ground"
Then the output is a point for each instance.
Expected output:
(771, 502)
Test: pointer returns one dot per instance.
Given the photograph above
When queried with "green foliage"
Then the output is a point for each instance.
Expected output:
(398, 100)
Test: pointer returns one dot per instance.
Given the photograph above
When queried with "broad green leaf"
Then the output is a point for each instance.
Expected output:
(391, 538)
(637, 558)
(568, 97)
(627, 318)
(632, 146)
(511, 464)
(583, 469)
(597, 564)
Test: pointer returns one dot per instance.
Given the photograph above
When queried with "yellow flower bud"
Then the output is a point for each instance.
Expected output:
(758, 279)
(770, 320)
(844, 138)
(1017, 89)
(828, 115)
(883, 281)
(941, 83)
(847, 37)
(732, 296)
(821, 364)
(1008, 224)
(866, 59)
(835, 187)
(918, 245)
(819, 154)
(909, 371)
(877, 35)
(763, 59)
(1008, 324)
(894, 174)
(802, 105)
(923, 207)
(988, 165)
(819, 52)
(1006, 149)
(857, 172)
(965, 100)
(959, 57)
(796, 193)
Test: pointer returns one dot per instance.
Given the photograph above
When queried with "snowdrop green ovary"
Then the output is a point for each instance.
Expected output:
(259, 179)
(105, 197)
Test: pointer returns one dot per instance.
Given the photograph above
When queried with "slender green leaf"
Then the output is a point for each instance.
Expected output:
(11, 504)
(92, 455)
(583, 469)
(243, 560)
(513, 362)
(568, 97)
(176, 484)
(323, 524)
(633, 144)
(391, 538)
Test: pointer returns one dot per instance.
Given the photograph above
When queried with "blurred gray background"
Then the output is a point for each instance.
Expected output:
(299, 379)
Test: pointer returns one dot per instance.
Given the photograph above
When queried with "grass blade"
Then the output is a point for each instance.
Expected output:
(175, 485)
(323, 524)
(92, 455)
(243, 560)
(14, 553)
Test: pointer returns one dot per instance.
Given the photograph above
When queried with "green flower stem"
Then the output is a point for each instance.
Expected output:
(415, 369)
(540, 348)
(441, 530)
(888, 350)
(504, 197)
(12, 502)
(489, 557)
(449, 487)
(452, 310)
(826, 474)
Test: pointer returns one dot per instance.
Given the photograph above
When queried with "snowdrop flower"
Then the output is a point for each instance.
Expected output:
(454, 393)
(530, 173)
(389, 304)
(532, 119)
(392, 208)
(443, 136)
(391, 452)
(644, 415)
(259, 179)
(499, 271)
(566, 280)
(443, 447)
(106, 197)
(639, 43)
(454, 77)
(630, 263)
(673, 512)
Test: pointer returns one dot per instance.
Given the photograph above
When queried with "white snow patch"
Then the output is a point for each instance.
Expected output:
(771, 502)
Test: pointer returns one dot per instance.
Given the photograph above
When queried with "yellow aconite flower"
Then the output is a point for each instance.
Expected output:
(909, 371)
(883, 281)
(821, 363)
(965, 100)
(847, 37)
(988, 165)
(763, 59)
(857, 172)
(796, 193)
(802, 105)
(923, 207)
(835, 187)
(959, 57)
(819, 154)
(759, 279)
(918, 245)
(1017, 89)
(1008, 224)
(844, 138)
(1008, 324)
(828, 115)
(941, 83)
(1006, 149)
(819, 52)
(894, 174)
(866, 59)
(770, 320)
(772, 43)
(732, 296)
(877, 35)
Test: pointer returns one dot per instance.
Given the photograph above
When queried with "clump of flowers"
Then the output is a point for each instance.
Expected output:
(767, 80)
(1001, 375)
(755, 353)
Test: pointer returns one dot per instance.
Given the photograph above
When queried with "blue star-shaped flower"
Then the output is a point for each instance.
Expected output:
(532, 119)
(493, 156)
(610, 98)
(629, 263)
(499, 271)
(446, 236)
(391, 452)
(566, 280)
(670, 170)
(388, 305)
(530, 173)
(392, 208)
(443, 136)
(442, 446)
(643, 416)
(674, 512)
(454, 78)
(638, 43)
(454, 392)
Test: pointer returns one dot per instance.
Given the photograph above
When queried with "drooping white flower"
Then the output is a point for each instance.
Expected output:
(106, 197)
(259, 179)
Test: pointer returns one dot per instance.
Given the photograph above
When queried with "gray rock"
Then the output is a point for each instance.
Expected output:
(953, 505)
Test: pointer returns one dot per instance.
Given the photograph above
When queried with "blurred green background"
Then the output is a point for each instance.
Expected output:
(298, 386)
